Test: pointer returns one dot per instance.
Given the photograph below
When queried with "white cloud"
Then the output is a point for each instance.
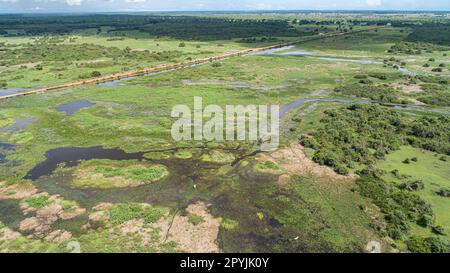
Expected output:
(9, 1)
(134, 1)
(374, 3)
(74, 2)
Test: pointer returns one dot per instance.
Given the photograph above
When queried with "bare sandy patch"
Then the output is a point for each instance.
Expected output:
(7, 235)
(55, 207)
(58, 236)
(201, 238)
(189, 237)
(409, 88)
(98, 217)
(320, 93)
(40, 224)
(16, 191)
(137, 226)
(416, 102)
(103, 206)
(284, 179)
(139, 49)
(292, 160)
(100, 213)
(72, 213)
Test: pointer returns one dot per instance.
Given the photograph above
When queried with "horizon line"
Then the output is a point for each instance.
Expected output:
(225, 11)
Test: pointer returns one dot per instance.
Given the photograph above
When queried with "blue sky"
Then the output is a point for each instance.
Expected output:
(185, 5)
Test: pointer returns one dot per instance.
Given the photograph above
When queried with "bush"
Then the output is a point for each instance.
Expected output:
(366, 81)
(380, 153)
(182, 44)
(38, 202)
(379, 76)
(425, 221)
(444, 192)
(438, 230)
(124, 212)
(397, 224)
(228, 224)
(350, 134)
(427, 245)
(371, 172)
(360, 76)
(373, 92)
(399, 207)
(374, 189)
(195, 219)
(95, 74)
(395, 173)
(414, 206)
(268, 165)
(340, 169)
(412, 185)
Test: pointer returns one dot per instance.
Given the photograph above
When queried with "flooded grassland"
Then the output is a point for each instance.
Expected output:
(97, 165)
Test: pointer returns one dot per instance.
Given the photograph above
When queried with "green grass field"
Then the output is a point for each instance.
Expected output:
(434, 173)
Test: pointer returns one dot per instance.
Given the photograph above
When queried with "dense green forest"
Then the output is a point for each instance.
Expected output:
(46, 52)
(361, 134)
(185, 27)
(431, 33)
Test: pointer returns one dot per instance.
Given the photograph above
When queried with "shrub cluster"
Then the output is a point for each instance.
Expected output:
(361, 134)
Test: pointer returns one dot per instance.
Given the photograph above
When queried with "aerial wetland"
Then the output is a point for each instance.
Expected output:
(364, 135)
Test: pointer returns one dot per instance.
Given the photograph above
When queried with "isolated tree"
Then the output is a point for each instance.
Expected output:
(95, 74)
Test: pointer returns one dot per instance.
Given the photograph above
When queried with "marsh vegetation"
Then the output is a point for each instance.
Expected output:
(365, 135)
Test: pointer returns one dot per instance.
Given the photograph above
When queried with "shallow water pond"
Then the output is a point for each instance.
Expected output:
(349, 60)
(10, 91)
(73, 107)
(184, 173)
(20, 123)
(4, 148)
(10, 213)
